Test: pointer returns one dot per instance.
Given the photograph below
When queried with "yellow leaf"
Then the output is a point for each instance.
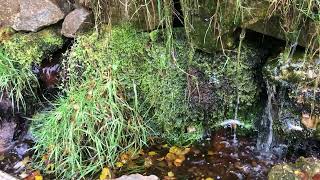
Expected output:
(174, 149)
(152, 153)
(165, 146)
(38, 178)
(297, 172)
(185, 151)
(170, 174)
(105, 174)
(119, 164)
(209, 178)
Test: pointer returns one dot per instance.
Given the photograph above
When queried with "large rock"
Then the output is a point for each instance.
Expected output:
(304, 168)
(75, 22)
(137, 177)
(271, 27)
(36, 14)
(211, 23)
(8, 10)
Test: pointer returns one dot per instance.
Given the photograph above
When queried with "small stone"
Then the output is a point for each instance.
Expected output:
(137, 177)
(7, 130)
(76, 22)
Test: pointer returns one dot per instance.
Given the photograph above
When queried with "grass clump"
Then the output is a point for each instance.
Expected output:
(17, 55)
(88, 129)
(94, 123)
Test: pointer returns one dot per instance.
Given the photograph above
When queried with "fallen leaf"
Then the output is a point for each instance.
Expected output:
(165, 146)
(38, 178)
(148, 162)
(105, 174)
(152, 153)
(178, 162)
(119, 164)
(170, 174)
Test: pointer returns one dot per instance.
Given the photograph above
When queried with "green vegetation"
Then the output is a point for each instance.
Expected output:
(17, 55)
(120, 84)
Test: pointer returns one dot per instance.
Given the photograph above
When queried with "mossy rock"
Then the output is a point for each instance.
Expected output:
(18, 52)
(27, 48)
(221, 83)
(303, 168)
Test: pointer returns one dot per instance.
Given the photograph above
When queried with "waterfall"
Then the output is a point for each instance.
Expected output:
(265, 137)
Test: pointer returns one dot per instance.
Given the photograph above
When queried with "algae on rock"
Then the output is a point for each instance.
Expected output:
(301, 169)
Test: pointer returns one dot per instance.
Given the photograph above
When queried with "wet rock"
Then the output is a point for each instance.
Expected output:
(36, 14)
(212, 23)
(137, 177)
(303, 168)
(296, 77)
(270, 27)
(7, 131)
(76, 22)
(8, 10)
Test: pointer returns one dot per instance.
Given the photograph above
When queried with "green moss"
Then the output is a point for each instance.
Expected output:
(17, 54)
(27, 48)
(227, 80)
(5, 33)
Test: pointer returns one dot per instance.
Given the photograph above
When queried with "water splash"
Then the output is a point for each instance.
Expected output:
(233, 123)
(230, 122)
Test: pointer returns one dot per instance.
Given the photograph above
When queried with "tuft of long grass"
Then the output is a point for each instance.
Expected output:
(15, 82)
(88, 129)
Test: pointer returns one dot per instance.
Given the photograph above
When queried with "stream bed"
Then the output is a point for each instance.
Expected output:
(219, 156)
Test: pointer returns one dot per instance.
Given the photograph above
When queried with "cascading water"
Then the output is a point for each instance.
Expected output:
(265, 138)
